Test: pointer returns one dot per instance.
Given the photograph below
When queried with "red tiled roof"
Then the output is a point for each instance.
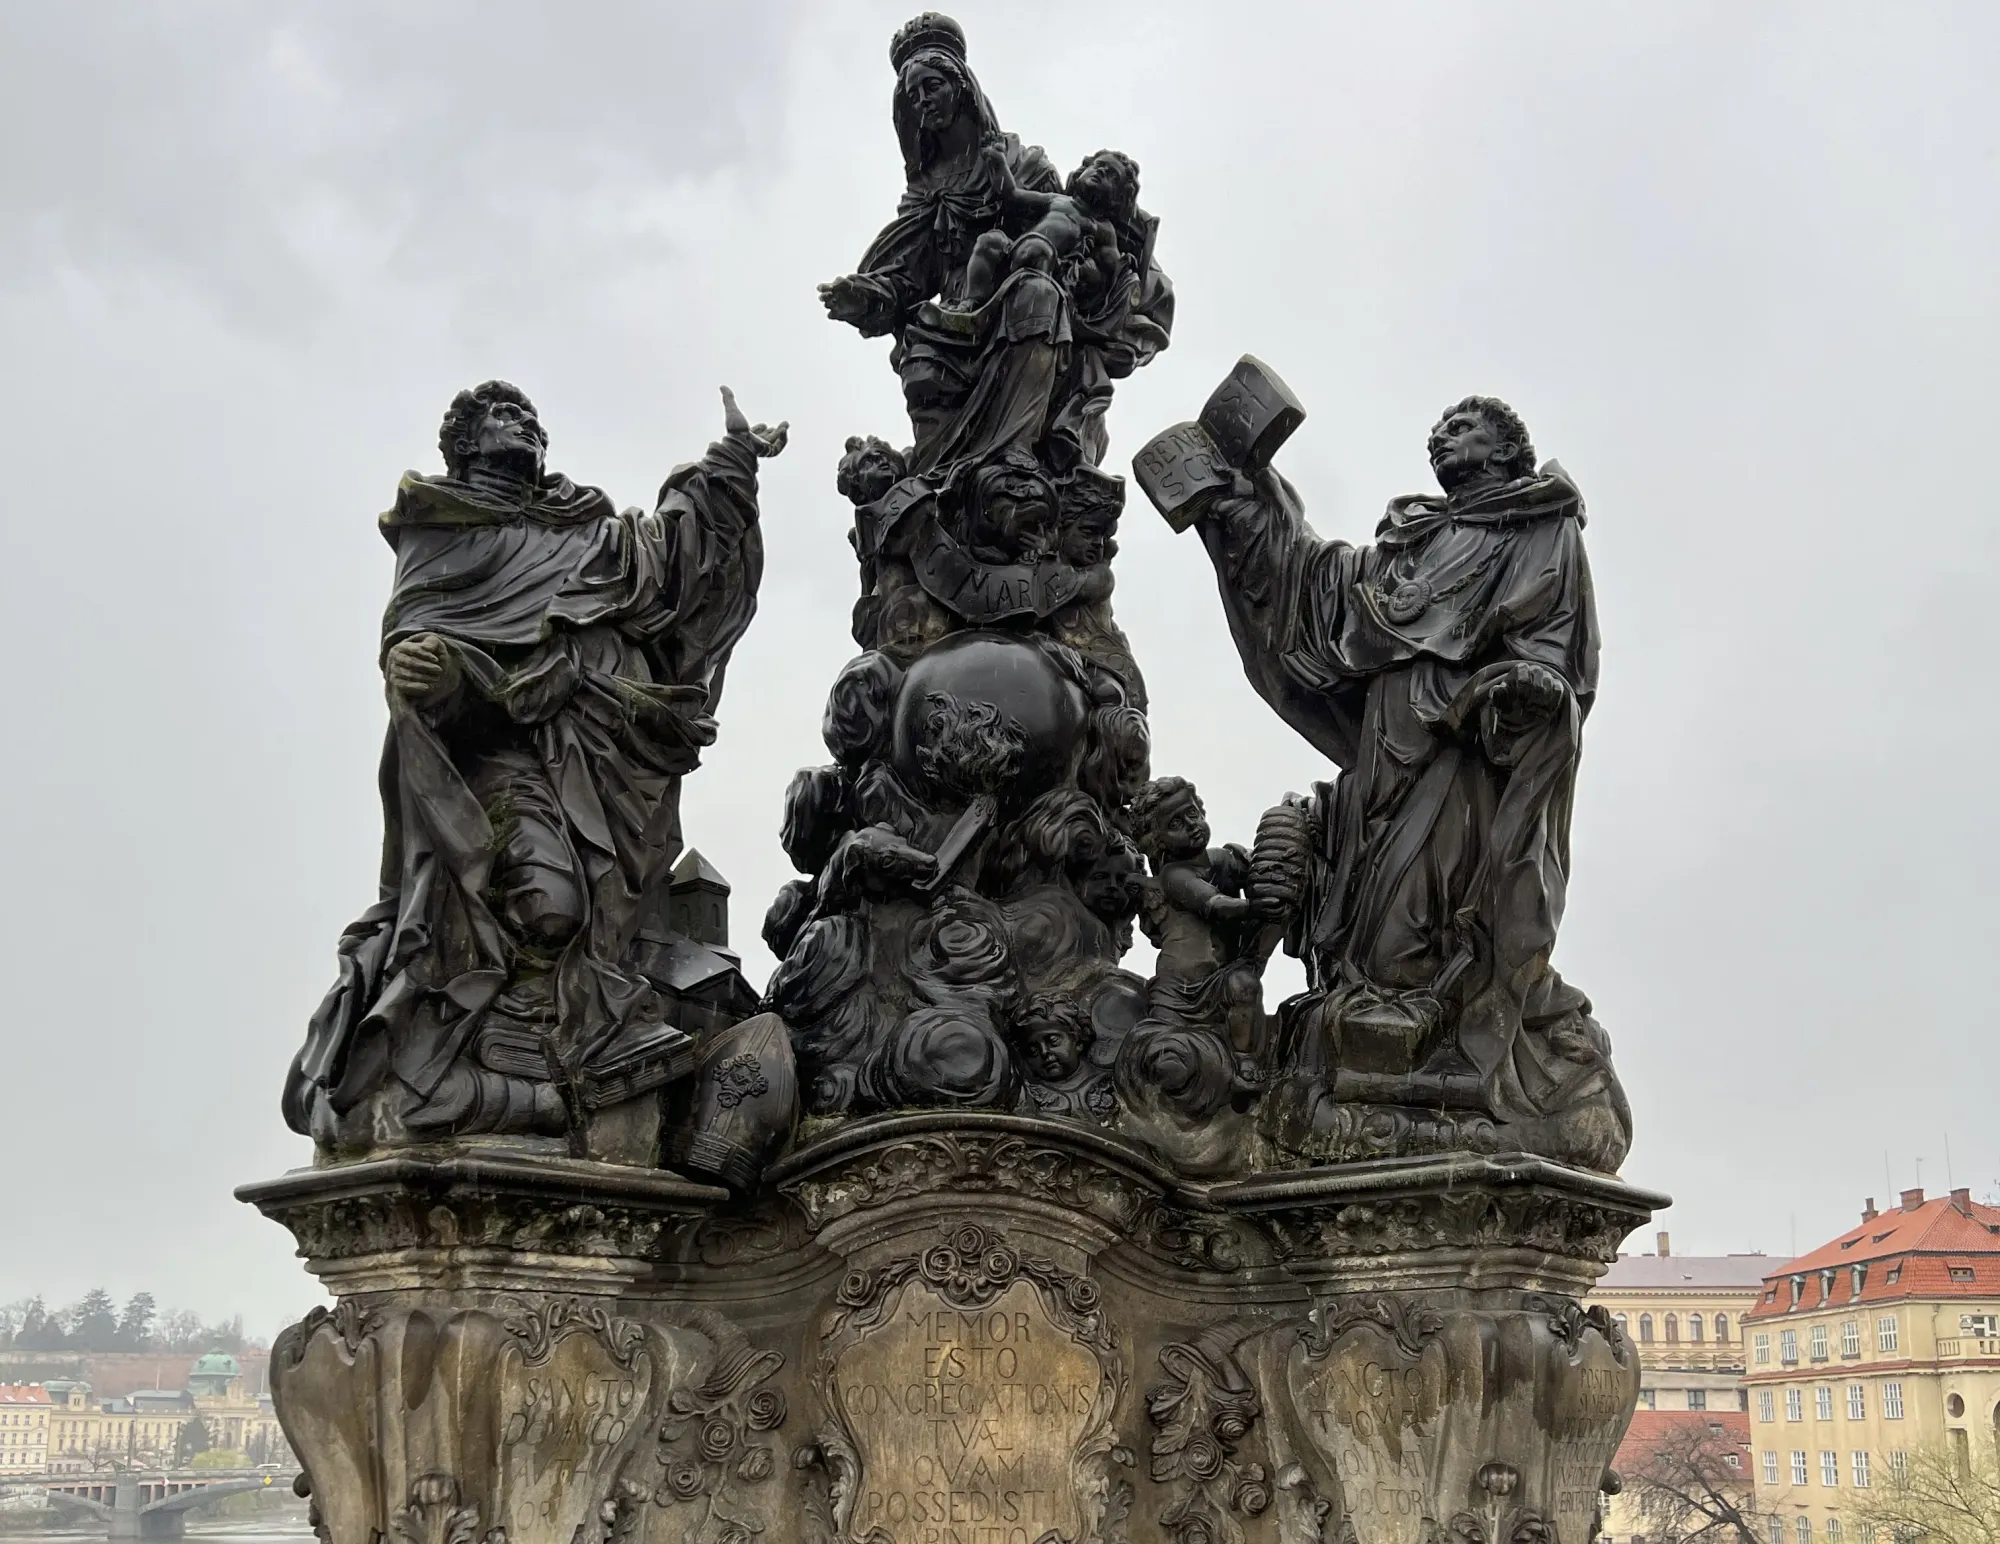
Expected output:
(1922, 1244)
(23, 1394)
(1651, 1429)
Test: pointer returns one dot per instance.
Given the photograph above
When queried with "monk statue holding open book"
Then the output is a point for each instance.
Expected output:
(1446, 671)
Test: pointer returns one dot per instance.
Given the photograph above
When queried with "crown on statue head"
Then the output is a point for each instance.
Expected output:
(933, 29)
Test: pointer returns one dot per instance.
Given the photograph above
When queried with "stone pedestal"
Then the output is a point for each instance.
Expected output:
(955, 1328)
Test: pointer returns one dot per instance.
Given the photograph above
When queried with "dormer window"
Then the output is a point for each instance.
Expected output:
(1860, 1278)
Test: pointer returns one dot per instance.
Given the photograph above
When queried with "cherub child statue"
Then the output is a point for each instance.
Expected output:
(1054, 1035)
(1076, 229)
(1212, 938)
(893, 614)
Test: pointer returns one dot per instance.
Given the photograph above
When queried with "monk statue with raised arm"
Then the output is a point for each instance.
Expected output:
(552, 665)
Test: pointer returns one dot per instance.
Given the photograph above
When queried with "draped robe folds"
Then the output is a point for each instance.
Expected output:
(590, 646)
(1023, 368)
(1440, 885)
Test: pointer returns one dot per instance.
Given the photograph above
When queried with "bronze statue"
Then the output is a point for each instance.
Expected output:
(971, 861)
(552, 666)
(1029, 366)
(1447, 670)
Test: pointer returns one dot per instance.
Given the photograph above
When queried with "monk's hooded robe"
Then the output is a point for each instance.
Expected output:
(1440, 884)
(590, 645)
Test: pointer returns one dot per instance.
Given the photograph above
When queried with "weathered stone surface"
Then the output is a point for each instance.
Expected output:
(955, 1328)
(1008, 1245)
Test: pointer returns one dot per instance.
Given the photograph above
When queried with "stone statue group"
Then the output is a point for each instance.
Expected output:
(988, 829)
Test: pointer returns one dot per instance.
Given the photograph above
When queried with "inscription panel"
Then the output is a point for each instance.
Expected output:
(1593, 1399)
(1375, 1411)
(967, 1422)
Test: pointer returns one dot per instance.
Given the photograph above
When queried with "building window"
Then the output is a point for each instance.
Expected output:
(1777, 1530)
(1892, 1401)
(1646, 1399)
(1819, 1342)
(1760, 1349)
(1788, 1347)
(1799, 1466)
(1833, 1530)
(1673, 1330)
(1646, 1328)
(1823, 1403)
(1899, 1466)
(1867, 1531)
(1857, 1401)
(1766, 1406)
(1694, 1327)
(1802, 1530)
(1770, 1467)
(1722, 1329)
(1829, 1467)
(1619, 1320)
(1885, 1333)
(1697, 1399)
(1850, 1338)
(1860, 1469)
(1795, 1404)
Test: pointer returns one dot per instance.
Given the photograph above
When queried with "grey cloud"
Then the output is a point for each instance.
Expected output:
(1733, 264)
(253, 150)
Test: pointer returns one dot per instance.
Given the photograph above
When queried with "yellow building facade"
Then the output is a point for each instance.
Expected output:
(1685, 1314)
(87, 1435)
(1882, 1342)
(24, 1429)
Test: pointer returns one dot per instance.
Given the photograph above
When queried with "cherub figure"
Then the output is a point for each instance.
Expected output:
(1111, 889)
(1075, 232)
(1053, 1034)
(869, 469)
(1210, 935)
(893, 613)
(1011, 512)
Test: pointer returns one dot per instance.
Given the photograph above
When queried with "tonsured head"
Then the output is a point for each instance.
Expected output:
(1481, 439)
(492, 424)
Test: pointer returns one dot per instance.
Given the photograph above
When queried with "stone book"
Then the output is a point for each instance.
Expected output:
(1241, 426)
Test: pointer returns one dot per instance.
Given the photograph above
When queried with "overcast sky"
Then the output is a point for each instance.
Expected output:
(1734, 264)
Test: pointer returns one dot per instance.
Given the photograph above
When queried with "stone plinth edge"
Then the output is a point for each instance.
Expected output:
(457, 1220)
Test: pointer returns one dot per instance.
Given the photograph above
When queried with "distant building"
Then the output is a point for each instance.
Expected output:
(24, 1428)
(1885, 1340)
(1685, 1314)
(143, 1429)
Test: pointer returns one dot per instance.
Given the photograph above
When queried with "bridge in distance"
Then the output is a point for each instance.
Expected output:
(154, 1504)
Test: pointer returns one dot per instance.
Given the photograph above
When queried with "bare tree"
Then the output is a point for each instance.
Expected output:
(1692, 1481)
(1942, 1494)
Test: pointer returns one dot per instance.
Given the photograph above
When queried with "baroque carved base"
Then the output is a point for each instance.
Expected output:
(960, 1329)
